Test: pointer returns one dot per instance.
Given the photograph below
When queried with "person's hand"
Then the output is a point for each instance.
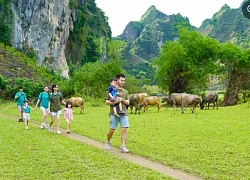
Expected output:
(118, 99)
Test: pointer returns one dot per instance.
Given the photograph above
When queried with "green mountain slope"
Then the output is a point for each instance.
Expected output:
(228, 25)
(146, 36)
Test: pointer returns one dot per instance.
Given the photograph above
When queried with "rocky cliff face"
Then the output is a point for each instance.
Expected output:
(43, 27)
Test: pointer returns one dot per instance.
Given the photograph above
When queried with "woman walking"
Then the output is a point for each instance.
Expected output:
(55, 100)
(43, 99)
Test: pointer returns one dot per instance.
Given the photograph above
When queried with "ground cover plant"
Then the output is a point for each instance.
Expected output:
(210, 143)
(38, 154)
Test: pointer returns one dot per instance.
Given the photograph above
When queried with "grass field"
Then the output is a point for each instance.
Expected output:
(212, 144)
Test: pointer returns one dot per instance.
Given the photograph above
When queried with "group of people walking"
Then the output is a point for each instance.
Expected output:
(50, 103)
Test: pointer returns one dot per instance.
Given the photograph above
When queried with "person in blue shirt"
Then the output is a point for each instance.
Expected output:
(43, 102)
(20, 98)
(26, 114)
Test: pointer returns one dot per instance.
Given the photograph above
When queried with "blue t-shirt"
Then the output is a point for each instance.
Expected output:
(20, 99)
(112, 90)
(26, 109)
(44, 99)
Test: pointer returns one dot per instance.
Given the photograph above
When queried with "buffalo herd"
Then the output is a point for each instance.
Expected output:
(143, 100)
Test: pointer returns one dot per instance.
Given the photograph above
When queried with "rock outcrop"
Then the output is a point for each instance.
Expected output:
(43, 26)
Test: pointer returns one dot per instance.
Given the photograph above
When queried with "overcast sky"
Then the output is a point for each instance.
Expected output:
(120, 12)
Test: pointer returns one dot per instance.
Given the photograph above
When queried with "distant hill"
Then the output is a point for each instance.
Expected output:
(145, 37)
(228, 25)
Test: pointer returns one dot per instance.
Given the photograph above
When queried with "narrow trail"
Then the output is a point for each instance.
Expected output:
(168, 171)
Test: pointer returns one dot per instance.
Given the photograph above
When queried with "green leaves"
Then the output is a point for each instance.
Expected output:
(185, 64)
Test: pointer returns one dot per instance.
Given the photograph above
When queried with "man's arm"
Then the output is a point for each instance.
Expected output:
(126, 102)
(118, 99)
(17, 95)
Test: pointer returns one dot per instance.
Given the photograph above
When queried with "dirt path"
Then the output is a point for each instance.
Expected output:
(168, 171)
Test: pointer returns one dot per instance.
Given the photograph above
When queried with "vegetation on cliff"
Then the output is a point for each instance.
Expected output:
(19, 70)
(90, 27)
(6, 22)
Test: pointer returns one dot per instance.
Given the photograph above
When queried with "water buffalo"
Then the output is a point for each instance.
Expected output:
(189, 99)
(142, 96)
(76, 102)
(134, 101)
(173, 99)
(209, 98)
(151, 100)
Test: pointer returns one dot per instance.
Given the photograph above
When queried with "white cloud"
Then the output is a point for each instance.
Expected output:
(120, 12)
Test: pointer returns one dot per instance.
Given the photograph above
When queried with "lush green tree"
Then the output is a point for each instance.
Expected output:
(92, 80)
(3, 86)
(6, 22)
(185, 64)
(235, 61)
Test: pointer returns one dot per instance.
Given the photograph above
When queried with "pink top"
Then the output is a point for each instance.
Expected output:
(68, 114)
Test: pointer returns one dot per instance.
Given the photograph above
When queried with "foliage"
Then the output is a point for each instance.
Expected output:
(6, 22)
(73, 4)
(143, 72)
(228, 25)
(186, 63)
(16, 69)
(90, 26)
(92, 80)
(144, 39)
(235, 61)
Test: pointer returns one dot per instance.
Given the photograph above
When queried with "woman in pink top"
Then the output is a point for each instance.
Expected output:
(68, 115)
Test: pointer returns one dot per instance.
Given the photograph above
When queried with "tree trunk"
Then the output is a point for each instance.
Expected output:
(178, 85)
(234, 85)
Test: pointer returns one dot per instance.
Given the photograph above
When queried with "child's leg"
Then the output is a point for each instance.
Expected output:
(68, 125)
(52, 120)
(26, 123)
(114, 108)
(58, 122)
(120, 106)
(115, 112)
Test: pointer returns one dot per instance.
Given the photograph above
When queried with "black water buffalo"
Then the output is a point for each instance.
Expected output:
(151, 101)
(189, 99)
(209, 98)
(134, 101)
(173, 99)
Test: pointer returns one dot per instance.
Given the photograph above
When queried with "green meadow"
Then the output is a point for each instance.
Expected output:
(212, 144)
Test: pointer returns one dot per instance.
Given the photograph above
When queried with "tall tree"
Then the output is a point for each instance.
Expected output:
(235, 62)
(186, 63)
